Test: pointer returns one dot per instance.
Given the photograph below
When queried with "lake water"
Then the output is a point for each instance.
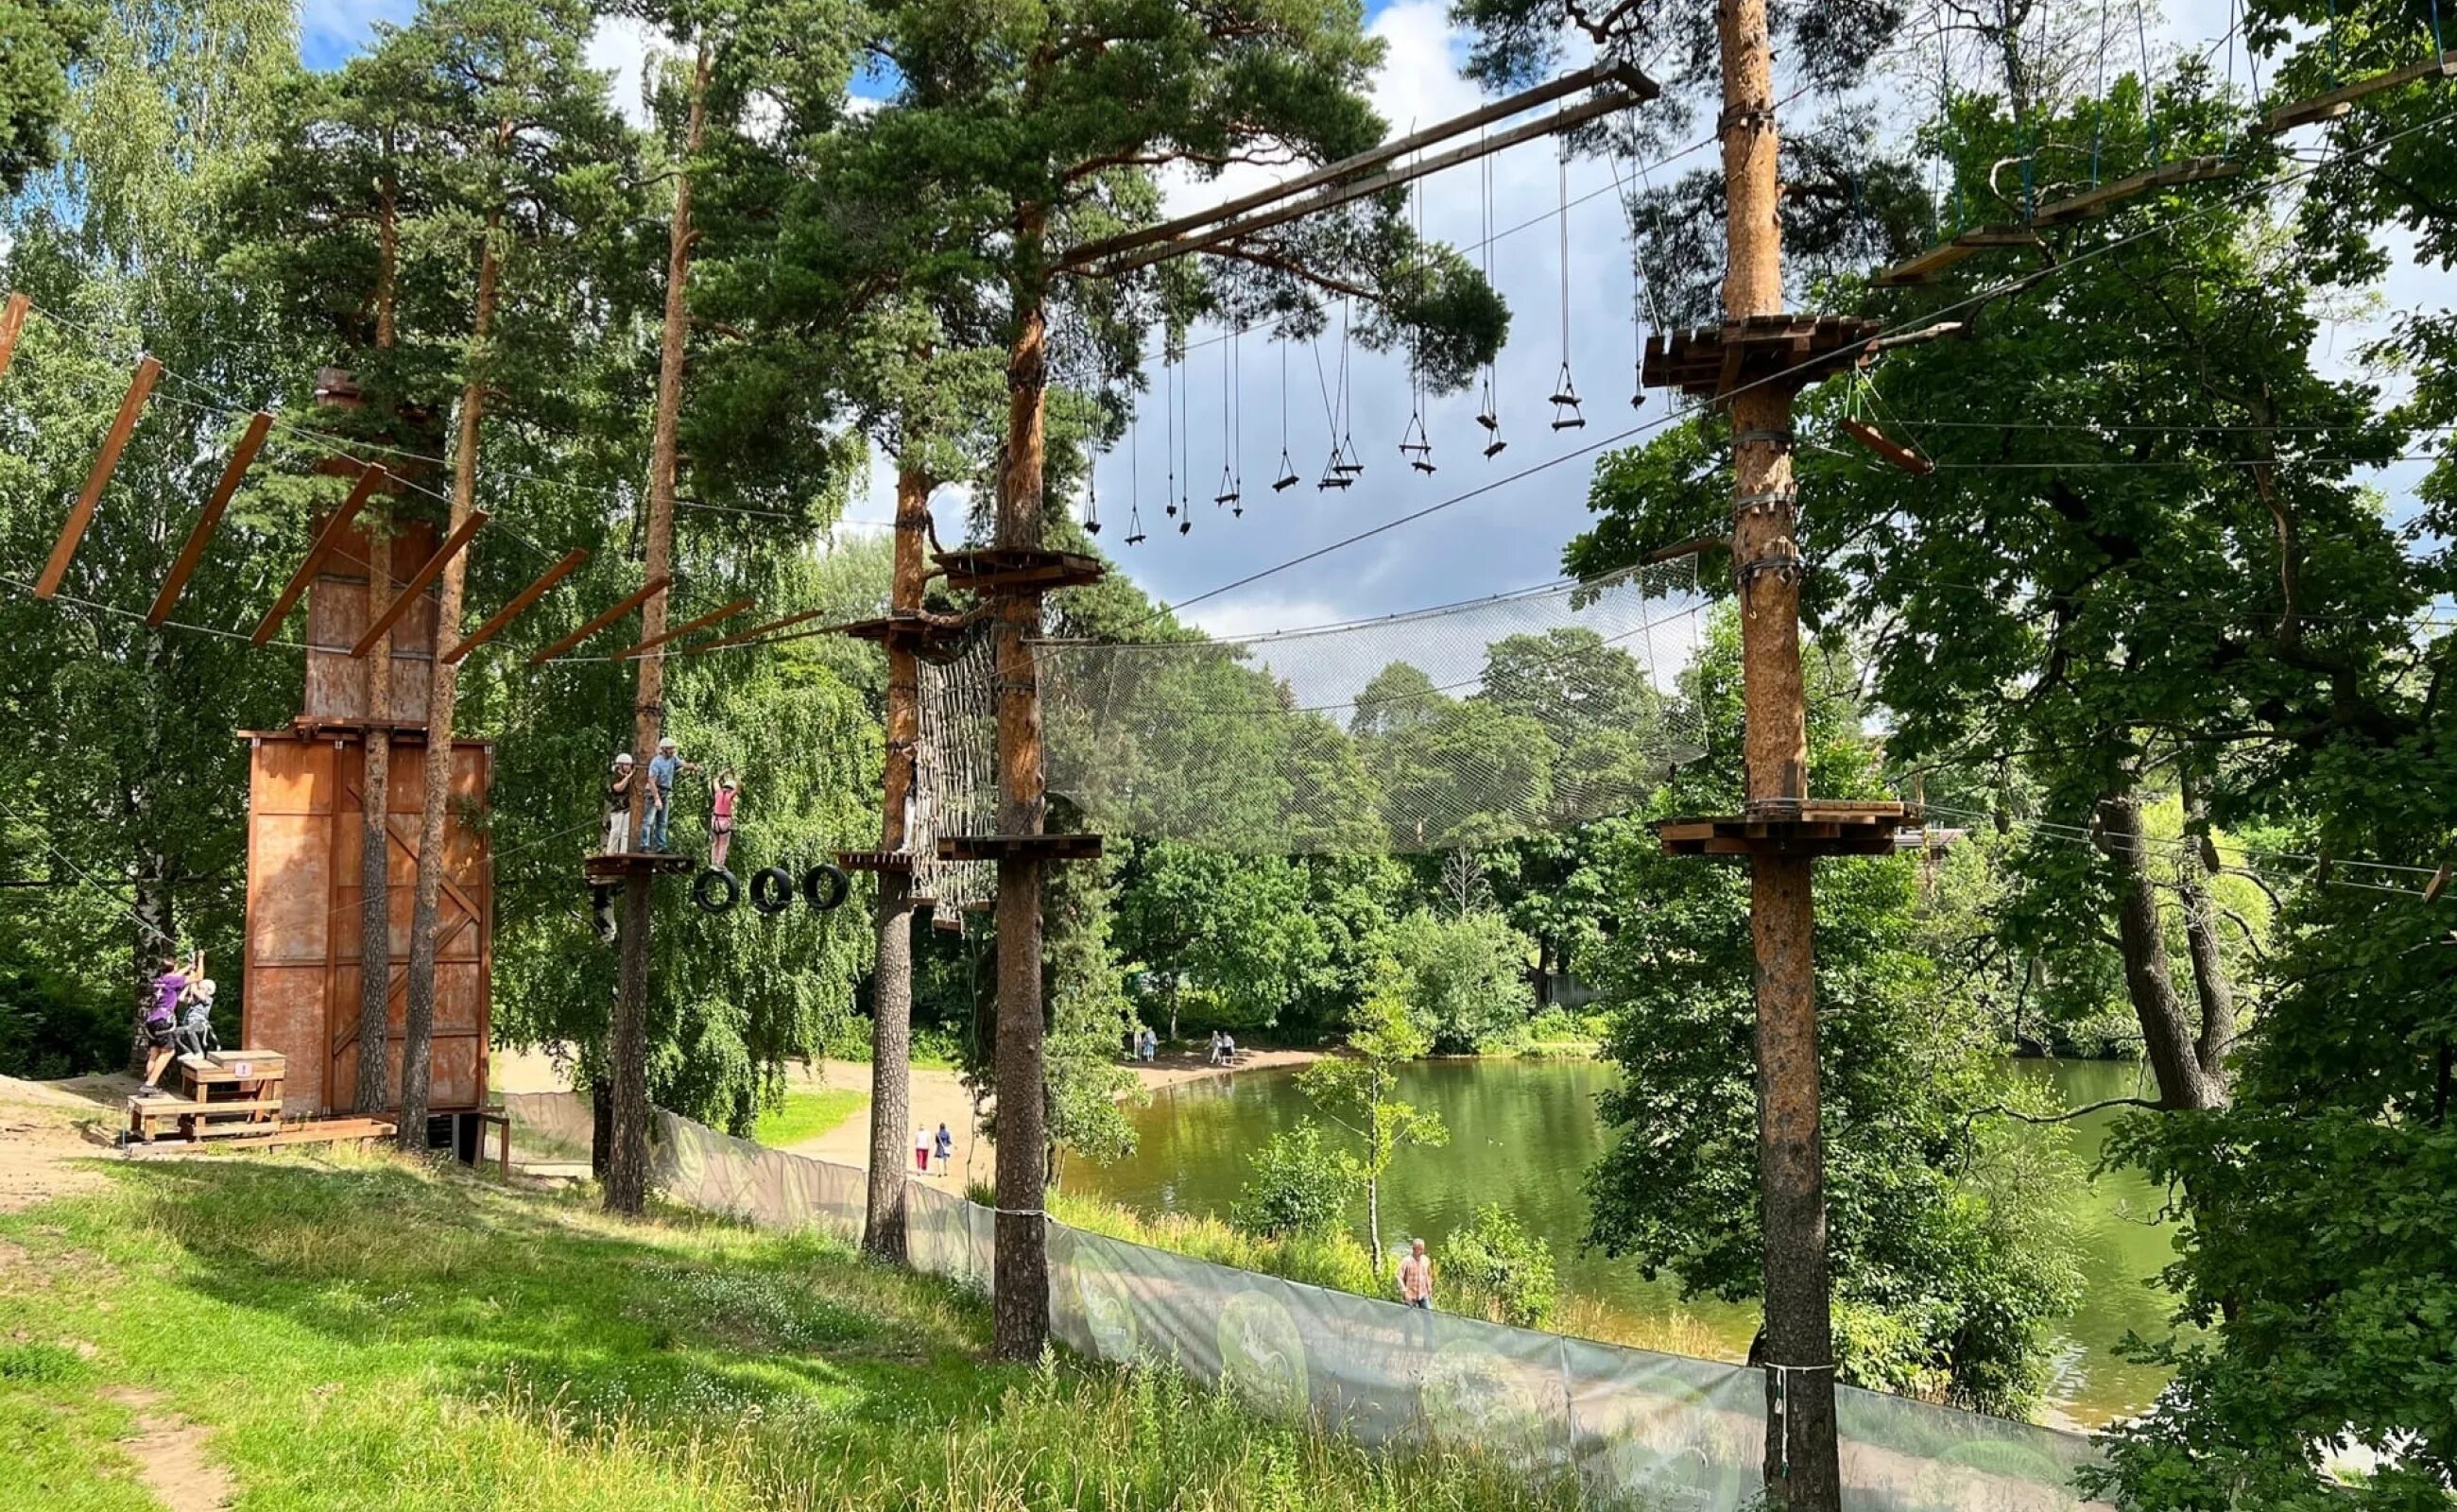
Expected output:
(1524, 1133)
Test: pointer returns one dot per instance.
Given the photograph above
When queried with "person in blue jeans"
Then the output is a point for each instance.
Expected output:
(657, 823)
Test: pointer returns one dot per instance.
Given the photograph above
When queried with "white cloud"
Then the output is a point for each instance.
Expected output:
(623, 47)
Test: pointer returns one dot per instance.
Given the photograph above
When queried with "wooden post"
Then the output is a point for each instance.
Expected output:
(626, 1171)
(1019, 1305)
(13, 324)
(891, 995)
(1802, 1469)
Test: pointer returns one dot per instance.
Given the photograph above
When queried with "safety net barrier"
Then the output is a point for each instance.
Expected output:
(1465, 725)
(1637, 1429)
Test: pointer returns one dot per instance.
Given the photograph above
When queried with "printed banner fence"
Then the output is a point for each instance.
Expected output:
(1663, 1432)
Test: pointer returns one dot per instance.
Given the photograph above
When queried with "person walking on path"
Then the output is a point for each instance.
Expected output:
(946, 1143)
(1416, 1277)
(921, 1150)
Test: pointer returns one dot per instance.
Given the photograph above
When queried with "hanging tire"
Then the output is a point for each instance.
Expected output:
(716, 892)
(772, 890)
(825, 887)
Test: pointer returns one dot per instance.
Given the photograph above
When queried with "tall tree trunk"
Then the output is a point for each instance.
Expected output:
(374, 787)
(1802, 1463)
(2210, 978)
(443, 686)
(2166, 1034)
(627, 1173)
(891, 1030)
(152, 934)
(1020, 1310)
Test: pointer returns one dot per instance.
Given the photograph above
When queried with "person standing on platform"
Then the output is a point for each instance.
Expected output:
(657, 824)
(720, 820)
(618, 806)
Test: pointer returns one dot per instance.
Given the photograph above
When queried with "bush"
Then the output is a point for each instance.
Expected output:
(1496, 1268)
(51, 1026)
(1467, 978)
(1295, 1186)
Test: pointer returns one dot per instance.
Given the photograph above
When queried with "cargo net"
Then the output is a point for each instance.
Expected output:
(955, 778)
(1449, 728)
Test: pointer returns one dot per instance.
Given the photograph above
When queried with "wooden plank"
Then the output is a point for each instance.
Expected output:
(73, 530)
(192, 551)
(1925, 266)
(755, 631)
(2338, 102)
(1889, 450)
(427, 572)
(2165, 176)
(672, 632)
(2439, 883)
(12, 322)
(629, 602)
(520, 602)
(372, 479)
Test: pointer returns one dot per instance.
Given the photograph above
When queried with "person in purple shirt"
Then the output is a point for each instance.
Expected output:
(162, 1017)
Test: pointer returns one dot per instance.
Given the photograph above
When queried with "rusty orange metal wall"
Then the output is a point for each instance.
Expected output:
(304, 818)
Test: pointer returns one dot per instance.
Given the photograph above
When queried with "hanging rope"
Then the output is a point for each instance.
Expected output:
(1565, 390)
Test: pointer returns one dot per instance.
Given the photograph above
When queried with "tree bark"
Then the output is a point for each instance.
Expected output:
(891, 1029)
(1802, 1463)
(628, 1035)
(2149, 981)
(442, 685)
(1020, 1304)
(154, 932)
(2211, 982)
(627, 1050)
(375, 852)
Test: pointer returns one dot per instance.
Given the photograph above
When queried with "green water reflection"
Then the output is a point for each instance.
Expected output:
(1522, 1134)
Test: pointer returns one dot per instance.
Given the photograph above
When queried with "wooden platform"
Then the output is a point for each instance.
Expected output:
(1793, 827)
(314, 1132)
(614, 866)
(993, 569)
(874, 860)
(1709, 361)
(1926, 266)
(2338, 102)
(2108, 196)
(1027, 847)
(911, 632)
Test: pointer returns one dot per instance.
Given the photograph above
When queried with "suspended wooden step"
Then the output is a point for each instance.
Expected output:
(73, 530)
(2106, 196)
(2338, 102)
(192, 550)
(1888, 449)
(1926, 266)
(520, 602)
(874, 860)
(612, 612)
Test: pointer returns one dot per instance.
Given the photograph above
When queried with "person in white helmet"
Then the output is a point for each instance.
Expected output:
(618, 806)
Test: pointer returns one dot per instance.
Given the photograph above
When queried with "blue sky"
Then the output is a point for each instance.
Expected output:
(1507, 537)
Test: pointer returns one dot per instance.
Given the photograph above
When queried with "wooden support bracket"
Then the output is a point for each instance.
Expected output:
(192, 551)
(520, 602)
(427, 572)
(72, 531)
(13, 324)
(369, 481)
(629, 602)
(713, 616)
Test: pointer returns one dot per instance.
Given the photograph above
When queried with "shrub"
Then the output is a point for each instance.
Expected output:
(1296, 1186)
(1496, 1268)
(1466, 977)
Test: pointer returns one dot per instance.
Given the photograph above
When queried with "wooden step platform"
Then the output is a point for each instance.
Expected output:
(2338, 102)
(993, 569)
(613, 866)
(316, 1131)
(1793, 827)
(1926, 266)
(1029, 847)
(1710, 362)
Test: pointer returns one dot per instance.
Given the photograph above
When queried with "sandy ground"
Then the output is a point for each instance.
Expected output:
(46, 1130)
(938, 1097)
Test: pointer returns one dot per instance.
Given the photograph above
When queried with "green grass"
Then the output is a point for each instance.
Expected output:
(807, 1116)
(362, 1332)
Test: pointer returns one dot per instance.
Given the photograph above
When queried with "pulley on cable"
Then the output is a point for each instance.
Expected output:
(1566, 415)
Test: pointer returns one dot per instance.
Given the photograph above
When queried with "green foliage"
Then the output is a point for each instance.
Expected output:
(1089, 1017)
(799, 1115)
(52, 1023)
(45, 38)
(1495, 1266)
(1357, 1088)
(1296, 1184)
(1466, 977)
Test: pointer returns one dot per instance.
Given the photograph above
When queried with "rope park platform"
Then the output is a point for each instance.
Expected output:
(1710, 362)
(1793, 827)
(614, 866)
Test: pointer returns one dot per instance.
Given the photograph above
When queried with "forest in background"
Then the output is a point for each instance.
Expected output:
(2146, 636)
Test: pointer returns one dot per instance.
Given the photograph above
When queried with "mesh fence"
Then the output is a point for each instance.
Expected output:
(1463, 726)
(1637, 1429)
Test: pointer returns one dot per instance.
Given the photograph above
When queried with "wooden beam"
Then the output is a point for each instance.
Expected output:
(645, 592)
(427, 572)
(73, 530)
(368, 483)
(520, 601)
(2338, 102)
(1889, 450)
(1337, 195)
(755, 631)
(685, 627)
(2439, 883)
(13, 322)
(192, 550)
(1600, 74)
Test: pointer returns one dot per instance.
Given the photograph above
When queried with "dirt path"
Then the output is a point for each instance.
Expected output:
(49, 1131)
(171, 1459)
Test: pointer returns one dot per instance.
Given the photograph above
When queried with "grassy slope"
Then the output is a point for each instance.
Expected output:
(360, 1332)
(807, 1116)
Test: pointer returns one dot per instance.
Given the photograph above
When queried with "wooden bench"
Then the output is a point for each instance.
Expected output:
(196, 1118)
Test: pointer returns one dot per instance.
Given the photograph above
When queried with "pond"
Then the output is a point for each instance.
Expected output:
(1524, 1133)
